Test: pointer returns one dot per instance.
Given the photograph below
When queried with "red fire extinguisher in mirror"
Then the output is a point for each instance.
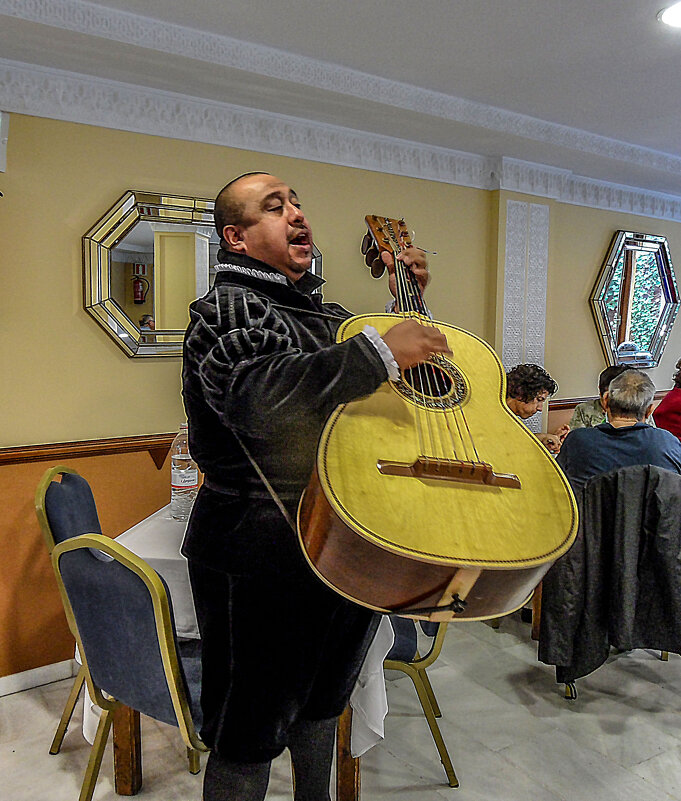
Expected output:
(140, 287)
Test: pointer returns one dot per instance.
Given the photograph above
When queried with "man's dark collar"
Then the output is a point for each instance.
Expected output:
(246, 265)
(610, 428)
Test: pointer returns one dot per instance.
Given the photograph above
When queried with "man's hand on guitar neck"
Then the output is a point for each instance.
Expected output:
(412, 343)
(415, 259)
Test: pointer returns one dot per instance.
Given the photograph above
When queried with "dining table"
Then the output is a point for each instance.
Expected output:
(157, 539)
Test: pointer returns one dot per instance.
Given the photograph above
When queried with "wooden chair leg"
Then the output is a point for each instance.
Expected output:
(347, 766)
(127, 740)
(68, 711)
(96, 754)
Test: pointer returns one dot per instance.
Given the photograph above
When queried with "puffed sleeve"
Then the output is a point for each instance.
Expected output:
(256, 380)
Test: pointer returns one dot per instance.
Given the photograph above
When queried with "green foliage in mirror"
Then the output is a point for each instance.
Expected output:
(635, 299)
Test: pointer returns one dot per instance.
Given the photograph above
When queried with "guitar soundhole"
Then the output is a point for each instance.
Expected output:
(437, 384)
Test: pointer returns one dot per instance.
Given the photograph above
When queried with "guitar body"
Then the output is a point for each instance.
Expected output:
(393, 532)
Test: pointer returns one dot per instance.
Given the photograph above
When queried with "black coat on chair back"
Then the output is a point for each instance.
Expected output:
(620, 583)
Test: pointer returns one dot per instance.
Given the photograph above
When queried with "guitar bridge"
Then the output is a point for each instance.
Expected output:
(449, 470)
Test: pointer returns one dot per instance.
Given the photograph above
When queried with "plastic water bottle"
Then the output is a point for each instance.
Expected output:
(184, 476)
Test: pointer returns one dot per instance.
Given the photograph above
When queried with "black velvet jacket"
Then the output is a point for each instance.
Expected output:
(260, 357)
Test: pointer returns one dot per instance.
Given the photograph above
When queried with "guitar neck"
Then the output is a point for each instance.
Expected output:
(409, 295)
(388, 235)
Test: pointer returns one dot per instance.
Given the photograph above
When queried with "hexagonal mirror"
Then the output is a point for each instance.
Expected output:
(144, 262)
(635, 299)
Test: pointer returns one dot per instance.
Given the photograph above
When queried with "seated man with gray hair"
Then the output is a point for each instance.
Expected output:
(624, 439)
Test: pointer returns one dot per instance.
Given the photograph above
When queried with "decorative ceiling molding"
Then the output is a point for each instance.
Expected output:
(26, 89)
(67, 96)
(542, 181)
(122, 26)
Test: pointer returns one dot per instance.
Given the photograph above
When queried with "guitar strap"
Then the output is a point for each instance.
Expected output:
(268, 486)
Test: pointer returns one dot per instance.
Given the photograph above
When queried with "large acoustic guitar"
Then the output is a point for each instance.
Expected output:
(430, 497)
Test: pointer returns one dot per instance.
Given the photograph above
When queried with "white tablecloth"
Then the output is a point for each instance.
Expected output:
(157, 540)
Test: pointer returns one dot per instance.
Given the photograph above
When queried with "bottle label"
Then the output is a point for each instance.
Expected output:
(184, 479)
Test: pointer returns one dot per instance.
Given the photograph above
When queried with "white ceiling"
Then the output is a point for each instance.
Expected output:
(589, 86)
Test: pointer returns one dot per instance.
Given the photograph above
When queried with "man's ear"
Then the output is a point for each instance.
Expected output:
(234, 237)
(649, 411)
(606, 400)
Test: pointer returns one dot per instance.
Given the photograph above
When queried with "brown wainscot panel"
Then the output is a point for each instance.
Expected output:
(128, 486)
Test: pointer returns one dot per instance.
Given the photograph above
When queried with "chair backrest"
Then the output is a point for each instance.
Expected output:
(118, 610)
(405, 645)
(66, 507)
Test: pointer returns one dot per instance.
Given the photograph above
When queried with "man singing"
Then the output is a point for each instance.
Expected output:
(262, 372)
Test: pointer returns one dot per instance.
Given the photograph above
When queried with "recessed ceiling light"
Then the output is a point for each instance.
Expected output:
(671, 16)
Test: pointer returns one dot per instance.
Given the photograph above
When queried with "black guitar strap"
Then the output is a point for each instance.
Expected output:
(267, 485)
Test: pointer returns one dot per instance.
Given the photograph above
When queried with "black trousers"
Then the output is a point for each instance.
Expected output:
(277, 647)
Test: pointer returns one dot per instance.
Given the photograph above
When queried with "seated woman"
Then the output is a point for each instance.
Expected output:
(589, 414)
(668, 412)
(528, 386)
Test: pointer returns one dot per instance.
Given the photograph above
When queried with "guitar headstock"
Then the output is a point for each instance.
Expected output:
(384, 234)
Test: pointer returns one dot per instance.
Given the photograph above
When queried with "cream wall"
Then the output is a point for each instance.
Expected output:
(578, 243)
(65, 379)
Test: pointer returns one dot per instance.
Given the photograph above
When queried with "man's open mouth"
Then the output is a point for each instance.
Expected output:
(303, 238)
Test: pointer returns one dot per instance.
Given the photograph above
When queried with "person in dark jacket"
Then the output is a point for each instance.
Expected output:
(625, 439)
(262, 371)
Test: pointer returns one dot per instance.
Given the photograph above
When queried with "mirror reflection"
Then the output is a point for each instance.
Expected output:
(635, 300)
(144, 262)
(158, 298)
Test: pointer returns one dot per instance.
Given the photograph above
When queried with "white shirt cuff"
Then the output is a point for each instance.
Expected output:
(383, 351)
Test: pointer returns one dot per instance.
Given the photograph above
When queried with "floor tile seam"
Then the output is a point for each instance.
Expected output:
(614, 766)
(409, 766)
(524, 771)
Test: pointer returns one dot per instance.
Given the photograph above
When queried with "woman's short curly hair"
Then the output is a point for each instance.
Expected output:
(525, 381)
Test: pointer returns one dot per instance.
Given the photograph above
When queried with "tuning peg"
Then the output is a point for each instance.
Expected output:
(367, 242)
(377, 267)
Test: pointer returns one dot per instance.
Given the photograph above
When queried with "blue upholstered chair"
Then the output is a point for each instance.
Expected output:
(118, 610)
(65, 508)
(404, 656)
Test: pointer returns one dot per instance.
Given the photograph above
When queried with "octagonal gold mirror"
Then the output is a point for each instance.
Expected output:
(635, 299)
(144, 262)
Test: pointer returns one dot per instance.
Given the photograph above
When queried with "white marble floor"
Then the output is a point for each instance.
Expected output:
(511, 734)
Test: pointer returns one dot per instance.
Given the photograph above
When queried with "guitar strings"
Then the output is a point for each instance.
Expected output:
(405, 309)
(469, 435)
(411, 298)
(417, 300)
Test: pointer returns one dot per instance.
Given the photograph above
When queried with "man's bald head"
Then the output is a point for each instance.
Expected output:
(229, 206)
